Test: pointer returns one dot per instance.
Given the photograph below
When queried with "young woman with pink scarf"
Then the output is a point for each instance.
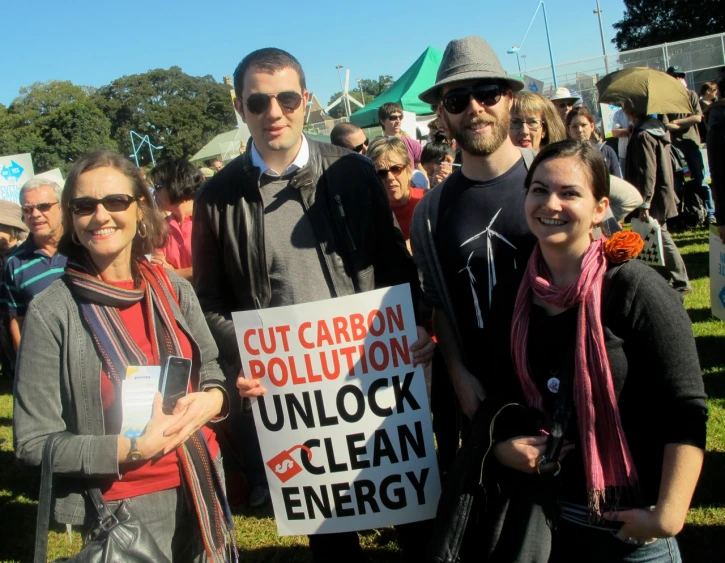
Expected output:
(604, 351)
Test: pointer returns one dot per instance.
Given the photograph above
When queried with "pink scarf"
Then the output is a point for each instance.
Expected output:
(608, 462)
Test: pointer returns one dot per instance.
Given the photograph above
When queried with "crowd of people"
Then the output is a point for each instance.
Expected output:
(550, 345)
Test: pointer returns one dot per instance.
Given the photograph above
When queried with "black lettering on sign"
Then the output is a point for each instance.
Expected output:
(291, 503)
(342, 499)
(397, 501)
(323, 504)
(419, 486)
(356, 415)
(277, 426)
(293, 405)
(376, 409)
(383, 447)
(305, 458)
(402, 393)
(356, 451)
(365, 494)
(330, 450)
(405, 437)
(321, 414)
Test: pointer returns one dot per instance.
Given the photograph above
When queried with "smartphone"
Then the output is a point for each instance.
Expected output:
(174, 381)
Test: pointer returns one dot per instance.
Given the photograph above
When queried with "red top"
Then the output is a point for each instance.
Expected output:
(158, 474)
(177, 251)
(404, 214)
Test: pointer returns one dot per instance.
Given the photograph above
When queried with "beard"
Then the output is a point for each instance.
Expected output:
(477, 144)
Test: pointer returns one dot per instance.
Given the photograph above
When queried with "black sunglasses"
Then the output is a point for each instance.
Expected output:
(259, 103)
(395, 170)
(361, 146)
(42, 207)
(457, 100)
(396, 117)
(113, 204)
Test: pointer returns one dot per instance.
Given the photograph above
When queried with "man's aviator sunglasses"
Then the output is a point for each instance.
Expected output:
(113, 204)
(361, 146)
(42, 207)
(259, 103)
(457, 100)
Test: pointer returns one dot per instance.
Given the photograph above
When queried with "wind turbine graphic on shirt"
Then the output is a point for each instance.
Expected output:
(491, 265)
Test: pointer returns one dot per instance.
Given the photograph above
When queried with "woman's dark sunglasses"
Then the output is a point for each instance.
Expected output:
(394, 170)
(113, 204)
(259, 103)
(361, 146)
(457, 100)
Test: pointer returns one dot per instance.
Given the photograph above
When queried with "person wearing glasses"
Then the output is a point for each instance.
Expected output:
(469, 234)
(535, 122)
(390, 117)
(390, 157)
(349, 136)
(292, 221)
(111, 310)
(36, 263)
(175, 183)
(563, 102)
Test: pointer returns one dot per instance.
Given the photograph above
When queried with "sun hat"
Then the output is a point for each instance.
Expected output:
(676, 71)
(10, 214)
(206, 172)
(563, 94)
(470, 58)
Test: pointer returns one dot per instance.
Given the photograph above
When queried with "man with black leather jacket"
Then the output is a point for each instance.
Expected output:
(291, 221)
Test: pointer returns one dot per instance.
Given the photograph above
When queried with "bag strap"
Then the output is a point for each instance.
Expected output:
(42, 524)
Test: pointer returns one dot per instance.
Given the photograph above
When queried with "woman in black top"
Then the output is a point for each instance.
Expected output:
(580, 126)
(604, 351)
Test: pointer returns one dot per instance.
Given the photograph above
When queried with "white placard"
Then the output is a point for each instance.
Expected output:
(345, 427)
(717, 274)
(15, 170)
(55, 175)
(608, 112)
(137, 398)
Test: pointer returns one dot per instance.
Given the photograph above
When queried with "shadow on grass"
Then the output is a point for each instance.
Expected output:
(715, 384)
(710, 491)
(700, 315)
(709, 348)
(697, 264)
(301, 554)
(701, 543)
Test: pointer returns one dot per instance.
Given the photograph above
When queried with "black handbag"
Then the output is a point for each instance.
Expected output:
(118, 536)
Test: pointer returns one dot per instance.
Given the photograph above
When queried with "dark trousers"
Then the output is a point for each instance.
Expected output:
(674, 270)
(693, 156)
(443, 408)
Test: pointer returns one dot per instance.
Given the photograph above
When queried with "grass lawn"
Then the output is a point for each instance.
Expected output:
(701, 540)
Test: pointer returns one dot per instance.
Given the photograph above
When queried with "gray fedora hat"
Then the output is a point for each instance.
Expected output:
(470, 58)
(10, 215)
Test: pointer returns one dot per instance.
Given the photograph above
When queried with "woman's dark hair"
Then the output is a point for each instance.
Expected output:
(180, 178)
(436, 153)
(156, 232)
(588, 155)
(579, 111)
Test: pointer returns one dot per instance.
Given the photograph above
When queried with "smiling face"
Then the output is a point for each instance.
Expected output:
(277, 129)
(581, 128)
(479, 130)
(108, 236)
(397, 187)
(560, 206)
(47, 225)
(521, 132)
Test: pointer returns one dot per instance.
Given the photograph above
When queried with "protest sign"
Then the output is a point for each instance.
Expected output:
(608, 111)
(533, 85)
(15, 170)
(717, 274)
(344, 428)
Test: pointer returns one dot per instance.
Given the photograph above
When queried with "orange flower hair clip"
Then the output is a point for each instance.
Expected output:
(623, 246)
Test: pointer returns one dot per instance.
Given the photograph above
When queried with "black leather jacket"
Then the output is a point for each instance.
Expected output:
(362, 245)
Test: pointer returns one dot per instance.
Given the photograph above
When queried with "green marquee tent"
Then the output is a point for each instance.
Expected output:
(405, 90)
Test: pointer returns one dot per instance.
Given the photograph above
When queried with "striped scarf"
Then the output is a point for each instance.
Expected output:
(608, 463)
(99, 302)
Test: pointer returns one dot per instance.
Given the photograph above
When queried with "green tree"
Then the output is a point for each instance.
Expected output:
(651, 22)
(178, 111)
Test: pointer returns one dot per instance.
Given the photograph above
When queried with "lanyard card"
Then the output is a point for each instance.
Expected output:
(137, 398)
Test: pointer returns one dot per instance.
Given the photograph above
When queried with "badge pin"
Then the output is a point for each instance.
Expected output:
(553, 385)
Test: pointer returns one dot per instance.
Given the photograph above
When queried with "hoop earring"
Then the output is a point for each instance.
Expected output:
(74, 238)
(597, 231)
(142, 232)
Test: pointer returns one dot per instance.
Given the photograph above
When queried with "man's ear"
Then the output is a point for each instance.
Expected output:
(239, 106)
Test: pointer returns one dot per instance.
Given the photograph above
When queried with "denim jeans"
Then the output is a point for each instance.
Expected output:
(693, 156)
(674, 270)
(577, 544)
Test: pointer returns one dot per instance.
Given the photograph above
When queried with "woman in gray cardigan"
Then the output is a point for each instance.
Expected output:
(113, 309)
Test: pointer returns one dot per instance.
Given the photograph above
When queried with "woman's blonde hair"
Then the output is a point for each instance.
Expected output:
(527, 103)
(380, 146)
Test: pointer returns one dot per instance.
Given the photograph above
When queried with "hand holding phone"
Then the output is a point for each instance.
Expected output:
(174, 381)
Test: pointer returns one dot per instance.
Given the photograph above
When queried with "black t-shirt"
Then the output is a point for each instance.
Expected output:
(484, 244)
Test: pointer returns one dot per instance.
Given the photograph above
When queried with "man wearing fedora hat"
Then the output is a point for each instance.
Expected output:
(12, 232)
(563, 101)
(469, 234)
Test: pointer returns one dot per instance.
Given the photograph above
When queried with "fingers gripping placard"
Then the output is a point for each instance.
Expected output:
(345, 425)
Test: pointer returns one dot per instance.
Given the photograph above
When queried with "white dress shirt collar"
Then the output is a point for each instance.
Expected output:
(303, 156)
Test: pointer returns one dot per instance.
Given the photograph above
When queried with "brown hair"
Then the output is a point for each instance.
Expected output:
(156, 233)
(579, 110)
(380, 146)
(588, 155)
(526, 103)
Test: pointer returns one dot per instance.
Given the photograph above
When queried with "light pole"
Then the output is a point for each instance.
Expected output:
(359, 80)
(515, 51)
(598, 11)
(525, 67)
(548, 39)
(342, 90)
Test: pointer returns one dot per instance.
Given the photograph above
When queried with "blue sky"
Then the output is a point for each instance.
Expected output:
(91, 44)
